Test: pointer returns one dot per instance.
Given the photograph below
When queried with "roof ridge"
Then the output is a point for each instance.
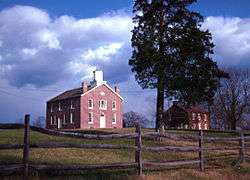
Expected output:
(67, 94)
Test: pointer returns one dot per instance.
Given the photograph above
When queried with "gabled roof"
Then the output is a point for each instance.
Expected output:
(78, 93)
(107, 87)
(68, 94)
(196, 109)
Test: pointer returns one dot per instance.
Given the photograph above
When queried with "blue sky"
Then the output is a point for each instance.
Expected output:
(93, 8)
(76, 8)
(50, 46)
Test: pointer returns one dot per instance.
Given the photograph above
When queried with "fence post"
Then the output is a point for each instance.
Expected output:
(26, 144)
(138, 143)
(241, 147)
(201, 151)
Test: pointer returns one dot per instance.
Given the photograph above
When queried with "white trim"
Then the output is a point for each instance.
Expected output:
(54, 120)
(113, 108)
(51, 120)
(114, 115)
(199, 116)
(59, 106)
(71, 104)
(205, 117)
(51, 107)
(71, 118)
(102, 121)
(92, 118)
(193, 116)
(101, 85)
(199, 126)
(92, 104)
(59, 123)
(105, 103)
(64, 119)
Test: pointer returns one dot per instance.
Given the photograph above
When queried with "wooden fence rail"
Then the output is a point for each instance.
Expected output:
(138, 147)
(81, 135)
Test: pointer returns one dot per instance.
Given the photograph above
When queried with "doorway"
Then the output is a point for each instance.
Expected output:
(59, 123)
(102, 121)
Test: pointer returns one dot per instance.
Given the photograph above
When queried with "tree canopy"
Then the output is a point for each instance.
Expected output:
(170, 49)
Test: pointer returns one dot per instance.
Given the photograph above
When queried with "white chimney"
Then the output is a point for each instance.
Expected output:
(98, 78)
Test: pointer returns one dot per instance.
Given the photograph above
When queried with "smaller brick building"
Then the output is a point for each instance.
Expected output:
(178, 116)
(94, 105)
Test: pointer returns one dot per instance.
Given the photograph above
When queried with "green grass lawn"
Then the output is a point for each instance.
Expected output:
(75, 156)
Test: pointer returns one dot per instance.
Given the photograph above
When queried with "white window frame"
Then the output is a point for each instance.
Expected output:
(71, 104)
(51, 107)
(205, 117)
(193, 116)
(199, 126)
(59, 106)
(114, 117)
(205, 126)
(199, 116)
(51, 120)
(113, 103)
(92, 103)
(90, 117)
(71, 118)
(64, 119)
(59, 119)
(54, 120)
(105, 103)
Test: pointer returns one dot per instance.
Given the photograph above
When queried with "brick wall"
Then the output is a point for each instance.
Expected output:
(101, 93)
(66, 110)
(194, 121)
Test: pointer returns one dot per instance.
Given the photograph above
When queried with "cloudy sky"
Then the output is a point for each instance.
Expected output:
(50, 46)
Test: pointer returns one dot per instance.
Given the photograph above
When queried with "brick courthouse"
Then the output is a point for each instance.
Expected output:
(94, 105)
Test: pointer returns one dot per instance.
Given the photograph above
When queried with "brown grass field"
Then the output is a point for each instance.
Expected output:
(225, 167)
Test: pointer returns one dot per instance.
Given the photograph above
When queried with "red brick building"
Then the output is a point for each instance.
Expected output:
(178, 116)
(94, 105)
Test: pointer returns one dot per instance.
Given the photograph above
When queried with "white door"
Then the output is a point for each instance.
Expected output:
(102, 121)
(59, 123)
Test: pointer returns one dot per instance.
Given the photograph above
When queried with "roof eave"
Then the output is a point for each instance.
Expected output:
(107, 87)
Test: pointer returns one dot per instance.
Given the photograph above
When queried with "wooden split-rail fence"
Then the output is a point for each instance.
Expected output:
(138, 148)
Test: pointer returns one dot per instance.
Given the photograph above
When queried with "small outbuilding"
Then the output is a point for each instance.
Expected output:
(180, 117)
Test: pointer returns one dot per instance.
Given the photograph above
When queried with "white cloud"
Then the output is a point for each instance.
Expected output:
(4, 69)
(29, 52)
(77, 68)
(102, 52)
(231, 37)
(62, 47)
(49, 38)
(65, 47)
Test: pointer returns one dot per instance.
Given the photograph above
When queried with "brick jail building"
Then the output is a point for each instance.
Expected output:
(177, 116)
(94, 105)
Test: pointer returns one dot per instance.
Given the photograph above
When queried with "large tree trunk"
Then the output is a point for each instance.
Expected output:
(233, 124)
(159, 104)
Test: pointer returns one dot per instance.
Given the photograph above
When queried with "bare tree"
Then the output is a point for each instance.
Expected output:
(19, 121)
(131, 118)
(39, 122)
(232, 100)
